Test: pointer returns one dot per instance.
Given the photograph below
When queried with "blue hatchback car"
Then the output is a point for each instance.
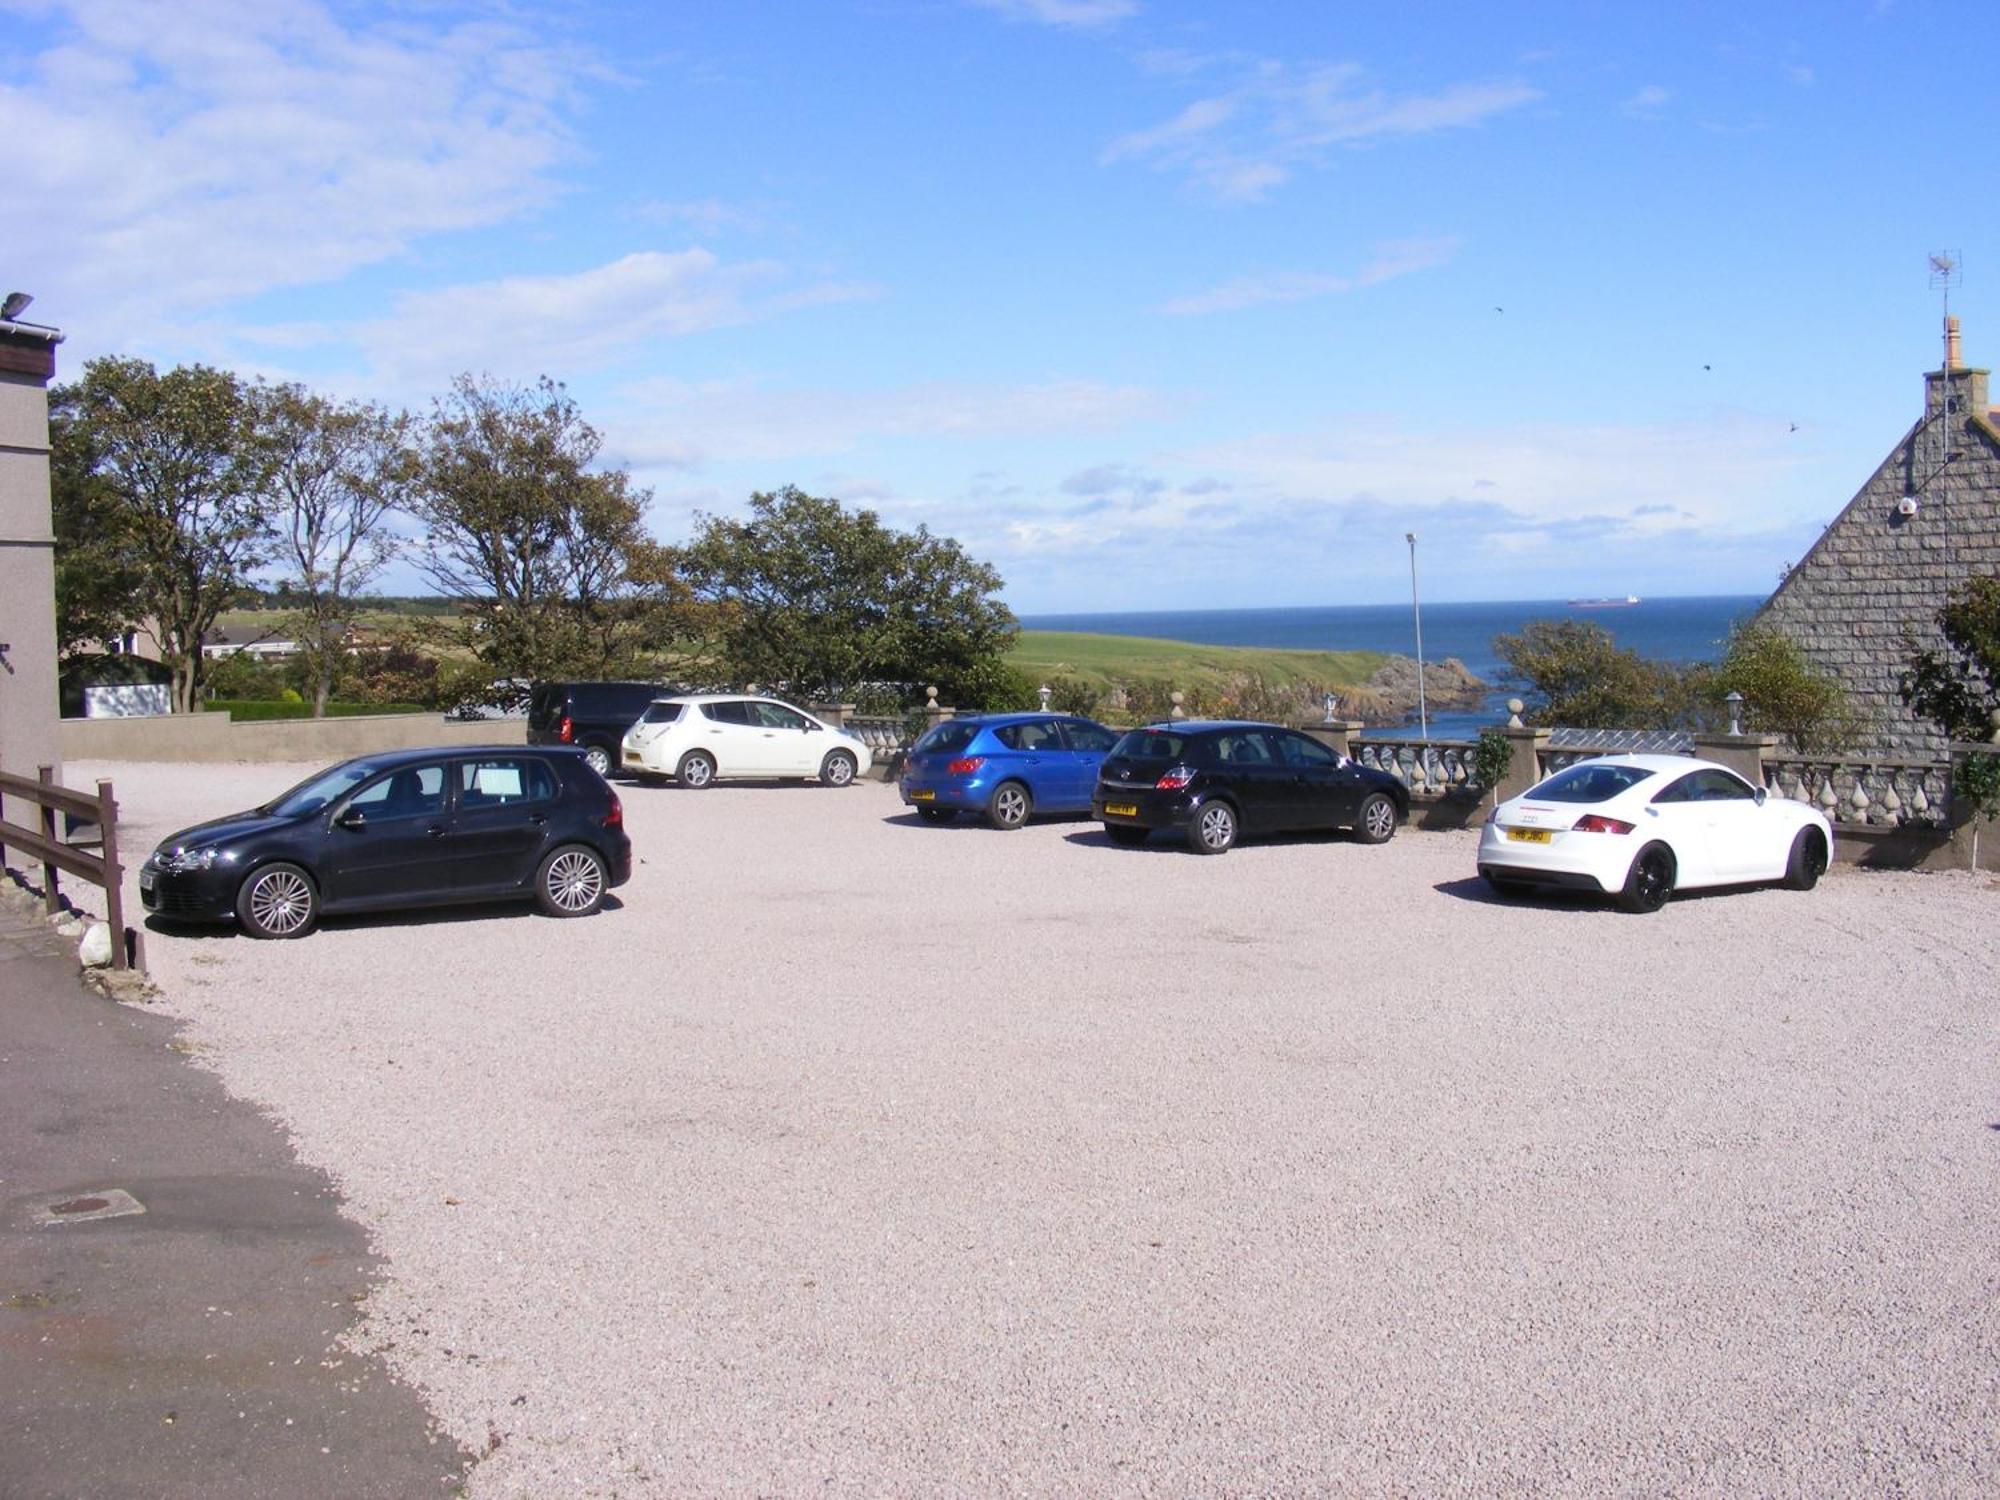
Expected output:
(1005, 767)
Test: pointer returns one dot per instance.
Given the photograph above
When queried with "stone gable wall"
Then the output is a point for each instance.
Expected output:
(1875, 581)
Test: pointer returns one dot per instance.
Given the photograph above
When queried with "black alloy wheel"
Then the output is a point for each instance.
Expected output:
(1650, 881)
(1808, 860)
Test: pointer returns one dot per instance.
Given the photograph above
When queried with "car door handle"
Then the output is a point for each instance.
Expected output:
(538, 819)
(436, 830)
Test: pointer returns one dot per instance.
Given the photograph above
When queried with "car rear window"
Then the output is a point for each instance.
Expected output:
(1588, 782)
(661, 713)
(1152, 744)
(545, 704)
(951, 735)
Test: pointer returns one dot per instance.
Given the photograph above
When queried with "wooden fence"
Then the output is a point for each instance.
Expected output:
(58, 857)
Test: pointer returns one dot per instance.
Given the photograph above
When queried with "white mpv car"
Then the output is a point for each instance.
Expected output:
(699, 737)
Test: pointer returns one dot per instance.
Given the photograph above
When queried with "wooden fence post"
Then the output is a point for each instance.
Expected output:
(114, 874)
(51, 897)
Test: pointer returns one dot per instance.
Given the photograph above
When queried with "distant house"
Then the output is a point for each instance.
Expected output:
(1868, 593)
(273, 641)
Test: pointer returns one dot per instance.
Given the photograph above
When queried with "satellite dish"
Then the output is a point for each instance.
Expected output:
(15, 305)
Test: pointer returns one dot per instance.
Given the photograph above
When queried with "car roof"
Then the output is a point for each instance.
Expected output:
(1651, 762)
(719, 698)
(1208, 726)
(1018, 716)
(388, 759)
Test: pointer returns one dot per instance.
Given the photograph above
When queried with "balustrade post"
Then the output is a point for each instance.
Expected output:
(1742, 753)
(835, 714)
(1524, 763)
(1335, 734)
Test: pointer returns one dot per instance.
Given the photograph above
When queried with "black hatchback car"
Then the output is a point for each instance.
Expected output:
(1218, 780)
(404, 828)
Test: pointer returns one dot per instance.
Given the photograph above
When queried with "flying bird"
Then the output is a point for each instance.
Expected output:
(1708, 367)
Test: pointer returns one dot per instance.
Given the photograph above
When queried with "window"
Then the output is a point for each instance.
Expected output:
(1029, 736)
(662, 713)
(502, 781)
(1240, 748)
(730, 711)
(1304, 751)
(947, 738)
(1708, 786)
(1083, 735)
(777, 716)
(413, 792)
(1152, 744)
(1588, 782)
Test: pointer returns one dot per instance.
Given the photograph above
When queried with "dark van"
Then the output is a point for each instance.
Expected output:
(593, 716)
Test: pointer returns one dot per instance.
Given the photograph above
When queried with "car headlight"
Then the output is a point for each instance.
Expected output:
(183, 861)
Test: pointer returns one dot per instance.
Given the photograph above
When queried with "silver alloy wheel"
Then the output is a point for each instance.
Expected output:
(575, 880)
(838, 769)
(697, 770)
(1010, 805)
(1216, 827)
(598, 759)
(281, 902)
(1379, 819)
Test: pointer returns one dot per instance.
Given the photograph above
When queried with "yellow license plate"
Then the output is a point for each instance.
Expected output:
(1121, 810)
(1530, 835)
(923, 796)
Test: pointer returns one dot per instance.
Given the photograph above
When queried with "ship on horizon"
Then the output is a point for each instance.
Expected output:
(1629, 599)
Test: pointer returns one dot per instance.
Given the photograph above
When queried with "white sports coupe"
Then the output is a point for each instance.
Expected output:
(1640, 827)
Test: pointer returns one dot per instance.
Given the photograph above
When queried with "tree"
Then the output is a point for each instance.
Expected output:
(817, 600)
(1783, 692)
(336, 472)
(97, 575)
(183, 465)
(1575, 675)
(554, 558)
(1958, 689)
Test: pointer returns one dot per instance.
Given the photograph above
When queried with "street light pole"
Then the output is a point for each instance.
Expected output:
(1417, 613)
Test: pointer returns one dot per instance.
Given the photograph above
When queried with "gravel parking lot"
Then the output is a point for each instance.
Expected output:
(852, 1155)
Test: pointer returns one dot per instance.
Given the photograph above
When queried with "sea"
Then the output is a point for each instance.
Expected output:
(1681, 629)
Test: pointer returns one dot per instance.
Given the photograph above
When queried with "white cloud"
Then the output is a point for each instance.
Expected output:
(676, 424)
(1398, 258)
(191, 156)
(1648, 102)
(1249, 139)
(566, 323)
(1078, 14)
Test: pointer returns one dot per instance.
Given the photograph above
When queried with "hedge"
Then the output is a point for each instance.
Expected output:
(244, 710)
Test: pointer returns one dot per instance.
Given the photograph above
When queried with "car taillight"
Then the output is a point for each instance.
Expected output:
(566, 731)
(1176, 778)
(1594, 823)
(965, 766)
(614, 816)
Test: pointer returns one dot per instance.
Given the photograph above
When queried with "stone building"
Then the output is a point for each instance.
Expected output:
(28, 733)
(1869, 591)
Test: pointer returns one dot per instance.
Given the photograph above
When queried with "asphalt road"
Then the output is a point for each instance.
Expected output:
(189, 1349)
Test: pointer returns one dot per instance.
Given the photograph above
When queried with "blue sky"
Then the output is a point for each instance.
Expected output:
(1150, 304)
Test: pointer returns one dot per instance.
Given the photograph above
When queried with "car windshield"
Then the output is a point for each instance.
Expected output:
(315, 792)
(1589, 782)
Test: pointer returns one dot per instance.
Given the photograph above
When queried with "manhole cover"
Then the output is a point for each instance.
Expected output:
(80, 1208)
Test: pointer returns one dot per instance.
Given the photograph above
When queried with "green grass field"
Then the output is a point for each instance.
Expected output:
(1105, 659)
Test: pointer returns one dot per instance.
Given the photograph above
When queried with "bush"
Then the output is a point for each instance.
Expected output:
(1783, 693)
(255, 710)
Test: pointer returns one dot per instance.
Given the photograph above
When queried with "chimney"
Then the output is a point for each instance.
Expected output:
(1964, 388)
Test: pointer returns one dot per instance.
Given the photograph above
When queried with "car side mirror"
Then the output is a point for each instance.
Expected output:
(353, 818)
(1762, 793)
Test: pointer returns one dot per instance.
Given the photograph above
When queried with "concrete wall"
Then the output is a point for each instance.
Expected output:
(28, 707)
(213, 739)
